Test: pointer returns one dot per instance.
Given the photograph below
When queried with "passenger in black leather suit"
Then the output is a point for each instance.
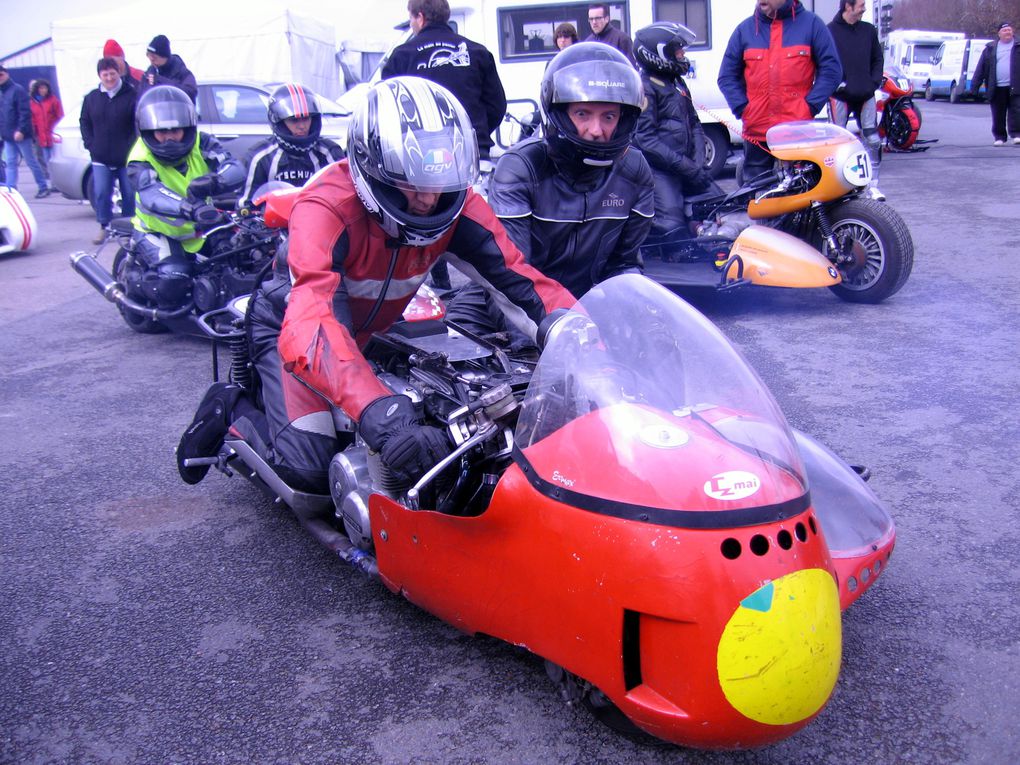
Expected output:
(578, 201)
(668, 132)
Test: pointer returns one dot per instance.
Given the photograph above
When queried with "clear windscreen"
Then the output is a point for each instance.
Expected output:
(638, 398)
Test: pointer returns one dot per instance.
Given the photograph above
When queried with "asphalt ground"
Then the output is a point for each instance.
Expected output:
(146, 621)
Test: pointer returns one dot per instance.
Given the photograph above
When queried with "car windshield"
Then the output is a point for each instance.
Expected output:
(640, 405)
(923, 53)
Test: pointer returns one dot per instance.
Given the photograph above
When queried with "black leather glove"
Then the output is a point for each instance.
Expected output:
(203, 187)
(700, 181)
(204, 215)
(390, 427)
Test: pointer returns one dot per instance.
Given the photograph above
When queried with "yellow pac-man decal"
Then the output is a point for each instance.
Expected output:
(779, 654)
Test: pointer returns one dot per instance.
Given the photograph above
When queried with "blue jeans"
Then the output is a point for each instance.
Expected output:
(26, 150)
(102, 183)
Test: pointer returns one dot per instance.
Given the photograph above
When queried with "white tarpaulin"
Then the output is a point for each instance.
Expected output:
(258, 40)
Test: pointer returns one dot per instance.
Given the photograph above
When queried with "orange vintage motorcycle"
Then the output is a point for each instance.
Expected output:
(632, 507)
(814, 195)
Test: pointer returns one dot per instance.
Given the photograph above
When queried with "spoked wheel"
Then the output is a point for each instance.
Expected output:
(136, 321)
(876, 251)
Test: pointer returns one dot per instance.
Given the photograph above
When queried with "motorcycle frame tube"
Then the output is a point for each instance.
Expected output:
(637, 609)
(830, 159)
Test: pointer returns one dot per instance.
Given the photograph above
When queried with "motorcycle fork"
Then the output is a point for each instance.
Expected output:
(828, 235)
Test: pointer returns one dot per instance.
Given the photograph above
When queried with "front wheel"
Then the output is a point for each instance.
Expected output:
(929, 94)
(904, 126)
(955, 91)
(136, 321)
(876, 250)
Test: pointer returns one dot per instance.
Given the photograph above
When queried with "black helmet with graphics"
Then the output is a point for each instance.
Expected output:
(410, 133)
(589, 72)
(293, 100)
(655, 48)
(165, 107)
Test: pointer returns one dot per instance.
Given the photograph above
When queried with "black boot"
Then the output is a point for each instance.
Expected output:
(204, 436)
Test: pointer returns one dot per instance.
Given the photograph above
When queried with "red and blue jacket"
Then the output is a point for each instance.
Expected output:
(781, 69)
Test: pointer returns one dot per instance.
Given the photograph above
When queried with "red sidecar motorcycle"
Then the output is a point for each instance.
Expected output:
(633, 508)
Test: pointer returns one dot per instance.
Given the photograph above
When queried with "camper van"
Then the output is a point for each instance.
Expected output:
(952, 70)
(519, 33)
(913, 49)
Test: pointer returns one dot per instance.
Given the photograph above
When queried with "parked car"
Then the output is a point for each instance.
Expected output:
(233, 111)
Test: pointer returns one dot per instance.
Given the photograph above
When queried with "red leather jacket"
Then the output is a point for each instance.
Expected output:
(348, 281)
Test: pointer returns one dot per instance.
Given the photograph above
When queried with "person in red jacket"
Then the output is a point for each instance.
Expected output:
(363, 234)
(47, 111)
(780, 64)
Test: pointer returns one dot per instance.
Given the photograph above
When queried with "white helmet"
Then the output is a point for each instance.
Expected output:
(410, 133)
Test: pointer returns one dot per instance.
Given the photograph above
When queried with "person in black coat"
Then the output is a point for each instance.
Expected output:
(860, 53)
(167, 69)
(462, 66)
(577, 202)
(669, 133)
(999, 69)
(108, 132)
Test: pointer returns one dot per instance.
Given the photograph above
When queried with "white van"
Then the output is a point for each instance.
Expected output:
(912, 50)
(952, 69)
(519, 33)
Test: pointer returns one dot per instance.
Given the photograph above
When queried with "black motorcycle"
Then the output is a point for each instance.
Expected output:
(172, 293)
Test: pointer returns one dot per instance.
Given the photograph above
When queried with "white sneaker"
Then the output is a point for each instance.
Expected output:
(873, 192)
(1016, 140)
(997, 142)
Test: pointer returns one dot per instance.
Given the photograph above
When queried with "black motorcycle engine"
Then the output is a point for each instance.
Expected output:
(209, 293)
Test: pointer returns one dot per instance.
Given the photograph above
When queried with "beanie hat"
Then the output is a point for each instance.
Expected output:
(160, 46)
(112, 48)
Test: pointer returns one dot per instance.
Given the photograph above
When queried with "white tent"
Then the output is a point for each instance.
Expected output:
(259, 40)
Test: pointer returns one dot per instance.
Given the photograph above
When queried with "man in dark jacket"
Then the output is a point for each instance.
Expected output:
(462, 66)
(770, 75)
(108, 132)
(603, 31)
(999, 69)
(578, 202)
(16, 134)
(669, 133)
(167, 69)
(860, 53)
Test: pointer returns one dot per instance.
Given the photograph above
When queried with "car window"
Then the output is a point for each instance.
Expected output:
(237, 104)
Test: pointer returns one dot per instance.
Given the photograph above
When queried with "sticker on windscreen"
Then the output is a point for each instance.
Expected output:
(733, 484)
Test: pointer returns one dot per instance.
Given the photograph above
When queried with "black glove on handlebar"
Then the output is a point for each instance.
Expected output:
(204, 215)
(203, 187)
(389, 426)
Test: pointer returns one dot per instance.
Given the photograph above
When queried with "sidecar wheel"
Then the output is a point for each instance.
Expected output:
(717, 149)
(879, 243)
(136, 321)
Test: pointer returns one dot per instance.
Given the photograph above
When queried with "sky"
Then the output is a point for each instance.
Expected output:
(25, 23)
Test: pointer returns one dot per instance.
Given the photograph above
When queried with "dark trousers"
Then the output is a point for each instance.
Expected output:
(756, 160)
(1005, 113)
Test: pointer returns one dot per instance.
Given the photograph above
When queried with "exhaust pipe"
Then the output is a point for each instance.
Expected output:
(86, 265)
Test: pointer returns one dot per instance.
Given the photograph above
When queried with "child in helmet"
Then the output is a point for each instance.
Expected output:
(296, 150)
(669, 133)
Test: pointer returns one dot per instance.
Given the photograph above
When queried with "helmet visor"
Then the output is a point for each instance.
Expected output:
(165, 115)
(602, 81)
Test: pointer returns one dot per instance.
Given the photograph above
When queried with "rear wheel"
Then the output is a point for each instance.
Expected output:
(954, 93)
(903, 129)
(876, 251)
(717, 149)
(929, 94)
(136, 321)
